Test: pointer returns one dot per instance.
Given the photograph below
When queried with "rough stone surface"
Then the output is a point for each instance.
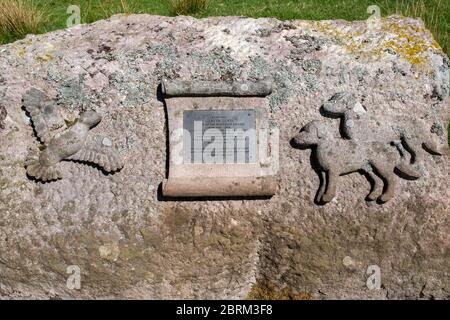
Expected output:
(130, 244)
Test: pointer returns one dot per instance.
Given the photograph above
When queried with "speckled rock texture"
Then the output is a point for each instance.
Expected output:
(128, 243)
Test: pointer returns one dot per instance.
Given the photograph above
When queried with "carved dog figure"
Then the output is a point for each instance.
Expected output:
(358, 125)
(337, 156)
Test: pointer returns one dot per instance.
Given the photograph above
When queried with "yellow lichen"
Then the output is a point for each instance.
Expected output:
(70, 123)
(409, 43)
(44, 58)
(407, 40)
(22, 52)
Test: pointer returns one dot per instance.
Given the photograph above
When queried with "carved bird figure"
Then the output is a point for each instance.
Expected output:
(68, 144)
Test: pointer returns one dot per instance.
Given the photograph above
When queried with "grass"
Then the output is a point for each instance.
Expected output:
(435, 13)
(184, 7)
(19, 18)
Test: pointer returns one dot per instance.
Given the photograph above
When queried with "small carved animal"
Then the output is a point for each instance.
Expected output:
(69, 144)
(358, 125)
(337, 156)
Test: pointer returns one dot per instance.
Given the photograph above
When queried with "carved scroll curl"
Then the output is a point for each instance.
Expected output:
(180, 88)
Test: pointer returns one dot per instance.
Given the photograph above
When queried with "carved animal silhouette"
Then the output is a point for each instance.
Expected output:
(358, 125)
(69, 144)
(337, 156)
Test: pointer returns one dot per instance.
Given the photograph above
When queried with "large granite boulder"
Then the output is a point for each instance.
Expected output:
(129, 242)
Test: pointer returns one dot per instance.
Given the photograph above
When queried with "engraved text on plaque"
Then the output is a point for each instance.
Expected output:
(219, 136)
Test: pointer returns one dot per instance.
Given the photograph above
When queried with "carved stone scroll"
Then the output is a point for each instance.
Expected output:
(179, 88)
(220, 141)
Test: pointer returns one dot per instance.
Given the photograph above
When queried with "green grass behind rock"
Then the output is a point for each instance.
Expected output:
(435, 13)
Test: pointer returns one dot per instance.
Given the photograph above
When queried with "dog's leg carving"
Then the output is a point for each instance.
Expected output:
(330, 192)
(386, 173)
(377, 188)
(322, 186)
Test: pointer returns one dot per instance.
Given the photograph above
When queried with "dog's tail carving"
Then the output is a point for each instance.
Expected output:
(432, 147)
(408, 171)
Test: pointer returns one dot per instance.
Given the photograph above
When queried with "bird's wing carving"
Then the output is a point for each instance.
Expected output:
(100, 151)
(44, 114)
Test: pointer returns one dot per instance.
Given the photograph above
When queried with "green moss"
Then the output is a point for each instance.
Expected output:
(70, 123)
